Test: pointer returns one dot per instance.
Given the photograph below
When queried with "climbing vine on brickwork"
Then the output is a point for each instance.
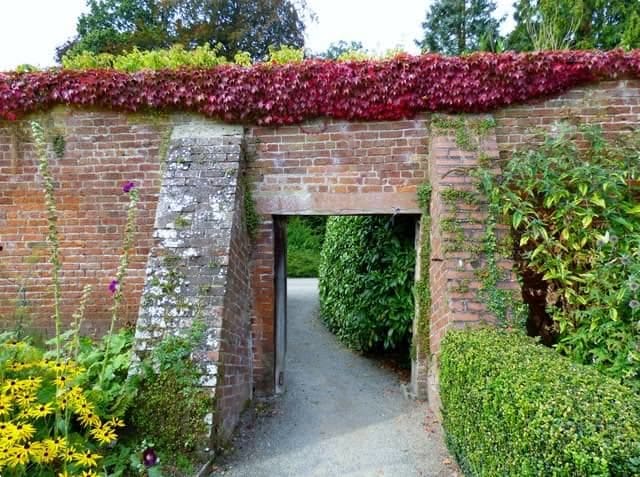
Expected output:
(506, 305)
(422, 286)
(269, 93)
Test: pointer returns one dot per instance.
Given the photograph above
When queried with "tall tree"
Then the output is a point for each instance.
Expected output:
(454, 27)
(580, 24)
(114, 26)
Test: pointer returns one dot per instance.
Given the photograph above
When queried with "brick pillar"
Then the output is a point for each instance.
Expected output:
(198, 268)
(263, 326)
(456, 255)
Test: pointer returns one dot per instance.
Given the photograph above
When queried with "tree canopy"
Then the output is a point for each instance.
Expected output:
(115, 26)
(454, 27)
(576, 24)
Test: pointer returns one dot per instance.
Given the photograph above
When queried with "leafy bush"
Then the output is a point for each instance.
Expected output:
(577, 222)
(305, 236)
(175, 57)
(366, 280)
(171, 406)
(513, 407)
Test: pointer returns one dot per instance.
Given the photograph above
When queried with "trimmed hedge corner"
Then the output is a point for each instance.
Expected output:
(514, 407)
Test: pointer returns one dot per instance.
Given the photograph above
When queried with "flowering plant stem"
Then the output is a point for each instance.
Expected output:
(117, 284)
(52, 219)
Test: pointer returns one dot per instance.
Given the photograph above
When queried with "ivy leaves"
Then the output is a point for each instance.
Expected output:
(274, 94)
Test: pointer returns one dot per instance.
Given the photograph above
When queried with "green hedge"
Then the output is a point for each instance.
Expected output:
(366, 280)
(305, 236)
(514, 407)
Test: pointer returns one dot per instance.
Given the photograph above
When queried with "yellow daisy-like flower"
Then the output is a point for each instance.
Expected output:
(88, 473)
(42, 410)
(25, 399)
(33, 383)
(5, 405)
(68, 454)
(18, 455)
(89, 419)
(116, 422)
(64, 473)
(87, 459)
(45, 454)
(56, 446)
(24, 431)
(62, 401)
(61, 381)
(104, 434)
(10, 386)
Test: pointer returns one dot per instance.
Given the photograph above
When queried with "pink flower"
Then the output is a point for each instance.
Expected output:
(113, 286)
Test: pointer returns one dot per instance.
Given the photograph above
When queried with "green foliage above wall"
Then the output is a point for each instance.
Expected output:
(366, 280)
(115, 26)
(513, 407)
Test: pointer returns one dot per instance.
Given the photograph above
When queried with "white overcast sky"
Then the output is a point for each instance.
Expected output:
(30, 30)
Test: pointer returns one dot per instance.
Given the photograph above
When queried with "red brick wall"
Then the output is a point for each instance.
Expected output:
(325, 167)
(235, 373)
(103, 150)
(614, 105)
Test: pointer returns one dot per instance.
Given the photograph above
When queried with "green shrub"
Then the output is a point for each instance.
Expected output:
(514, 407)
(575, 216)
(171, 406)
(366, 280)
(305, 236)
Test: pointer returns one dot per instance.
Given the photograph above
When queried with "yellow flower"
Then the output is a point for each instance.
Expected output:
(42, 410)
(18, 455)
(25, 399)
(89, 473)
(116, 422)
(5, 405)
(86, 459)
(61, 381)
(69, 453)
(104, 434)
(89, 419)
(24, 431)
(42, 452)
(57, 445)
(10, 386)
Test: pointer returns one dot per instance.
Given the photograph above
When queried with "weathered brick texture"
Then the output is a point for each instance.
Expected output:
(102, 151)
(328, 168)
(321, 167)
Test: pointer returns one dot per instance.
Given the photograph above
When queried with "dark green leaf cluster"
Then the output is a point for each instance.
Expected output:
(576, 24)
(114, 26)
(305, 236)
(171, 405)
(366, 280)
(576, 219)
(514, 407)
(455, 27)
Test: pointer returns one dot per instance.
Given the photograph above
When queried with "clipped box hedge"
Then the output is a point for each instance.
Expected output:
(512, 407)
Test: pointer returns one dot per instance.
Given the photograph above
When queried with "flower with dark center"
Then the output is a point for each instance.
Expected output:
(113, 286)
(126, 188)
(634, 286)
(149, 457)
(634, 304)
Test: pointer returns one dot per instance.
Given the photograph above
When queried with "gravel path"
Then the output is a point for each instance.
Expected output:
(342, 414)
